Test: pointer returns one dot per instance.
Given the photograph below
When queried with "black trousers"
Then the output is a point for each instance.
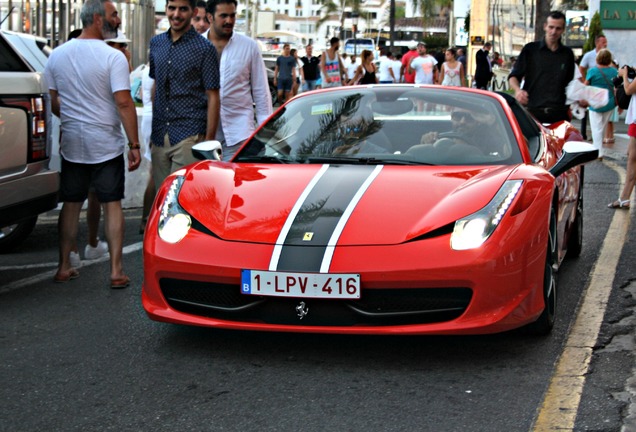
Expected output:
(551, 114)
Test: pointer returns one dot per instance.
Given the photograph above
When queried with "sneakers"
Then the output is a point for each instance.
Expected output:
(92, 253)
(74, 258)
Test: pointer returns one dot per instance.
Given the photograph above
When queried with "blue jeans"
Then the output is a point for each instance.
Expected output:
(310, 85)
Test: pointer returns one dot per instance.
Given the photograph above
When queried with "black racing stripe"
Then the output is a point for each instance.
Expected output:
(319, 214)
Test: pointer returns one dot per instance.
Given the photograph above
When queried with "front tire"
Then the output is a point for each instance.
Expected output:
(544, 324)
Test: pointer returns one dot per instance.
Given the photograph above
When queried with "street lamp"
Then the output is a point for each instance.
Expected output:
(354, 27)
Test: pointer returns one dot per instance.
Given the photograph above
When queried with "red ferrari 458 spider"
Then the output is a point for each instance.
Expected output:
(373, 210)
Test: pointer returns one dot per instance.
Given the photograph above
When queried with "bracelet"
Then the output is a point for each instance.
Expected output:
(135, 146)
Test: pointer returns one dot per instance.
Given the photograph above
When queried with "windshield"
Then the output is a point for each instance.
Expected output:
(388, 125)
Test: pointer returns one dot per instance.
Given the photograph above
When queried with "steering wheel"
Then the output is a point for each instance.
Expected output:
(456, 136)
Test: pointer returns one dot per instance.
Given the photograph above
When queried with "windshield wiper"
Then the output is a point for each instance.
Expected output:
(265, 158)
(363, 160)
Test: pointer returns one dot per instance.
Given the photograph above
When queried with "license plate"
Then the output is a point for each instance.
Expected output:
(304, 285)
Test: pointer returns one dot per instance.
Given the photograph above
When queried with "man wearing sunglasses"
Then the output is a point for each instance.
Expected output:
(464, 125)
(466, 129)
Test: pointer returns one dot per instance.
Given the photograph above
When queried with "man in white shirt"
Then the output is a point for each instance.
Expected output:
(386, 70)
(243, 78)
(351, 69)
(92, 98)
(424, 66)
(397, 68)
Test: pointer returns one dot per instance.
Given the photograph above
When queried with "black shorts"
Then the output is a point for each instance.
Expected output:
(106, 178)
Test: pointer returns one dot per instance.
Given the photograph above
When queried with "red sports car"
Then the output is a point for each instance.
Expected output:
(392, 209)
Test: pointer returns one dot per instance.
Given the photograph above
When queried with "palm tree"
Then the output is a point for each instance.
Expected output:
(428, 8)
(333, 7)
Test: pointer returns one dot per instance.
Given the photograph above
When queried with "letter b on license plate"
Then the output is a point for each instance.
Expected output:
(303, 285)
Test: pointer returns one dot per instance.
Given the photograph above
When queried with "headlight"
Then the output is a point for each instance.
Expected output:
(472, 231)
(174, 222)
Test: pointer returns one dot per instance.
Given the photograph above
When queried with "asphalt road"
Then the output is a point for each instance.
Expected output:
(80, 356)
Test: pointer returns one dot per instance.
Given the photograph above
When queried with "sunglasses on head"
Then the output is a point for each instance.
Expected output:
(461, 115)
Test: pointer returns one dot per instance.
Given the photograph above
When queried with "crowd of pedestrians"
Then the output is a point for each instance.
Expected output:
(203, 81)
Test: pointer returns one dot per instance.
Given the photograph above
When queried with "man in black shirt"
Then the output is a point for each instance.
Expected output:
(547, 66)
(311, 69)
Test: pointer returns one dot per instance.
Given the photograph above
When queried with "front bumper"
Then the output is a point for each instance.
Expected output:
(420, 287)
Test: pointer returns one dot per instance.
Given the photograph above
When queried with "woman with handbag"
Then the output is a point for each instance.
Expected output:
(601, 76)
(623, 201)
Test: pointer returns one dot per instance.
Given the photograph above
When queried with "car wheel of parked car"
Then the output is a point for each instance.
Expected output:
(12, 235)
(543, 325)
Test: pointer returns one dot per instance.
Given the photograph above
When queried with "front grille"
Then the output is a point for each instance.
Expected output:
(378, 307)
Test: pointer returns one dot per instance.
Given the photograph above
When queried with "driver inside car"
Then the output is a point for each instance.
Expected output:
(466, 128)
(463, 124)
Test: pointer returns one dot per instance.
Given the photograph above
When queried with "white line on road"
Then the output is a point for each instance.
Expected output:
(50, 273)
(561, 401)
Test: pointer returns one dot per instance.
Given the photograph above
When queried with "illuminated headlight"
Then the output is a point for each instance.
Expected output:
(174, 222)
(472, 231)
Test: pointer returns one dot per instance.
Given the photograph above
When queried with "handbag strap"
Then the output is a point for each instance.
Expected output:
(612, 93)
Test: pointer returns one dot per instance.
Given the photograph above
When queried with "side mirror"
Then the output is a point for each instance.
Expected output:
(574, 153)
(208, 150)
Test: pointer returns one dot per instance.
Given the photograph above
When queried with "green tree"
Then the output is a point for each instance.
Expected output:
(467, 23)
(594, 30)
(429, 8)
(338, 7)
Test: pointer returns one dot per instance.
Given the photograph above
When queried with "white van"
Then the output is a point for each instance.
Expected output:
(355, 46)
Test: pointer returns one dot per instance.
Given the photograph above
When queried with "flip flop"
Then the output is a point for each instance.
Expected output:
(120, 282)
(619, 204)
(65, 277)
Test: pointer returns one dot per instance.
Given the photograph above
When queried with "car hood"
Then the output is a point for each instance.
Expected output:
(363, 204)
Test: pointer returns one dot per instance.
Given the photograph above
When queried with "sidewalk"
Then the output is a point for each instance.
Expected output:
(618, 150)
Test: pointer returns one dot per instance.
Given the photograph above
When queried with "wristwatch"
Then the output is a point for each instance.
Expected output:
(134, 146)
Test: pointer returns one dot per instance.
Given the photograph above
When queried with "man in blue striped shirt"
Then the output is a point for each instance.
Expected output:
(185, 67)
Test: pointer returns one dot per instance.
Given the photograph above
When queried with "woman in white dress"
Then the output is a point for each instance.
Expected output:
(452, 72)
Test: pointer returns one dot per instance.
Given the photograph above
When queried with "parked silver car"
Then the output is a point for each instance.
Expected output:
(27, 186)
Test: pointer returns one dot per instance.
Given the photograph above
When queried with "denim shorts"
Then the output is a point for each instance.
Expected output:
(284, 84)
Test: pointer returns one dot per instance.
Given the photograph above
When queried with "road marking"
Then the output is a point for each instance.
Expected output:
(561, 401)
(49, 274)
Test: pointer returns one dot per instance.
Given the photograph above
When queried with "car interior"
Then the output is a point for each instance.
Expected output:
(397, 124)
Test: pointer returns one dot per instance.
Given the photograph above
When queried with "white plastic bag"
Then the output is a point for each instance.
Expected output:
(576, 91)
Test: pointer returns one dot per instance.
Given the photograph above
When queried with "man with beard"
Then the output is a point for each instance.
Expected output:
(243, 78)
(185, 109)
(424, 66)
(92, 98)
(468, 128)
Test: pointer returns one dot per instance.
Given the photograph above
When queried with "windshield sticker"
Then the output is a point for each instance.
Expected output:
(322, 109)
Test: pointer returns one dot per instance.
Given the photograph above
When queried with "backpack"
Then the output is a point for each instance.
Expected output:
(622, 98)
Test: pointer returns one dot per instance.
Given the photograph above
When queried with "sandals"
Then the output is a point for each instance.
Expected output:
(65, 277)
(619, 204)
(120, 282)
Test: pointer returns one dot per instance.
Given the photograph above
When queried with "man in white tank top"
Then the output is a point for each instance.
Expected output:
(334, 74)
